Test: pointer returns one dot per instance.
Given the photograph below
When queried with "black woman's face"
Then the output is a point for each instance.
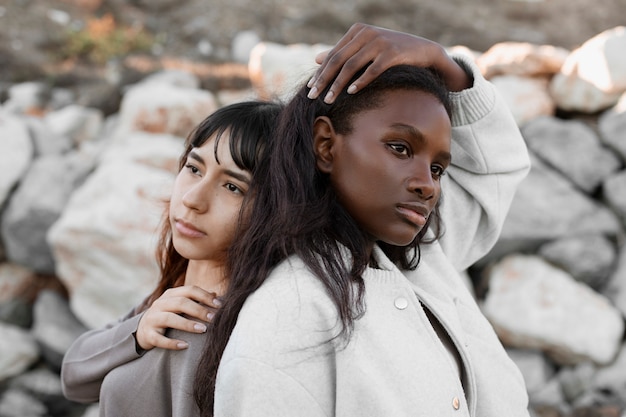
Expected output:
(387, 170)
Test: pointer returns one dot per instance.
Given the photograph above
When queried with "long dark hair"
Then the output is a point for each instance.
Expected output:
(295, 211)
(249, 124)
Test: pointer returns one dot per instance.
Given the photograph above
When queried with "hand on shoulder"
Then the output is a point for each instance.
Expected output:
(184, 308)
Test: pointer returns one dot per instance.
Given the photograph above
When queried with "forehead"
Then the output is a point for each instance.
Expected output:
(407, 108)
(211, 154)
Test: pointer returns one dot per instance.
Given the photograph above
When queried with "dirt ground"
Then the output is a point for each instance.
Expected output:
(32, 31)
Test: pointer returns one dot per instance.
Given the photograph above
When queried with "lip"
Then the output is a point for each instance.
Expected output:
(414, 213)
(187, 229)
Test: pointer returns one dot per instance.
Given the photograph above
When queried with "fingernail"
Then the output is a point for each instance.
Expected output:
(313, 93)
(200, 327)
(311, 82)
(352, 89)
(217, 302)
(329, 97)
(182, 345)
(210, 316)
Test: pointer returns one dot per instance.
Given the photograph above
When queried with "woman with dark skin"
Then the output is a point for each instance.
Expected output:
(345, 297)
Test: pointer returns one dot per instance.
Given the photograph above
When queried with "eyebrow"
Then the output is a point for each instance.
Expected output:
(236, 175)
(416, 135)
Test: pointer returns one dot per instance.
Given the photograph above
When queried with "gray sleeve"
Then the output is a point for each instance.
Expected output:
(489, 160)
(94, 354)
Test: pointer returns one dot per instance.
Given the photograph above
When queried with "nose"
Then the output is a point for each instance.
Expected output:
(421, 182)
(197, 197)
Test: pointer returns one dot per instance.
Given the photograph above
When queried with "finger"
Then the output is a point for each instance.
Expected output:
(347, 72)
(319, 58)
(193, 293)
(169, 311)
(161, 341)
(175, 321)
(334, 59)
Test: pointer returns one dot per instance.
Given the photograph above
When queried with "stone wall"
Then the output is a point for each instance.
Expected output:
(81, 196)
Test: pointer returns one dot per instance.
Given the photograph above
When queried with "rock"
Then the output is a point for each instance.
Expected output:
(550, 396)
(526, 97)
(571, 147)
(277, 70)
(589, 259)
(532, 304)
(522, 59)
(28, 98)
(45, 141)
(602, 63)
(37, 204)
(576, 380)
(242, 45)
(18, 351)
(45, 386)
(164, 108)
(14, 279)
(612, 127)
(614, 192)
(616, 287)
(104, 250)
(16, 152)
(573, 94)
(535, 368)
(79, 124)
(174, 78)
(612, 378)
(547, 206)
(17, 403)
(15, 308)
(593, 76)
(54, 327)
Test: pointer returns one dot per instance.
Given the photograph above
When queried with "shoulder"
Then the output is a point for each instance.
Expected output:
(289, 312)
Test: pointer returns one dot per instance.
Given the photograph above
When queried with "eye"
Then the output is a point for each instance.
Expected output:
(437, 171)
(234, 188)
(399, 149)
(192, 168)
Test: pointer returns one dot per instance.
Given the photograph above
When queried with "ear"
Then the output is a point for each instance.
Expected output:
(324, 138)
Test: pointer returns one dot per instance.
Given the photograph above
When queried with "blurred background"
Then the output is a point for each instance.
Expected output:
(97, 96)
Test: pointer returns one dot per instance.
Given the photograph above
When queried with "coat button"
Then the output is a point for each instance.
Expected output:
(456, 403)
(401, 303)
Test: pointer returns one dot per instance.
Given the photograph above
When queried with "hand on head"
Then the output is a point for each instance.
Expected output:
(177, 308)
(384, 48)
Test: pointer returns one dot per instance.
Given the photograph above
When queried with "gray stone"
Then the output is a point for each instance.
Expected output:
(533, 304)
(614, 191)
(589, 259)
(535, 367)
(55, 327)
(134, 176)
(37, 204)
(16, 152)
(612, 127)
(547, 206)
(18, 351)
(573, 148)
(18, 403)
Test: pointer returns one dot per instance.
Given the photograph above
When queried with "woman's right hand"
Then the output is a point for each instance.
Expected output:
(177, 308)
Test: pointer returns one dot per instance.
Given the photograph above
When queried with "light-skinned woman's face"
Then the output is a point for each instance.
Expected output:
(206, 201)
(387, 170)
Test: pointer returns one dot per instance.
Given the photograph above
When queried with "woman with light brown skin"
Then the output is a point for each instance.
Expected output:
(144, 364)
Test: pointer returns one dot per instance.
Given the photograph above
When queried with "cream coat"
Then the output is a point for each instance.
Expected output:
(283, 358)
